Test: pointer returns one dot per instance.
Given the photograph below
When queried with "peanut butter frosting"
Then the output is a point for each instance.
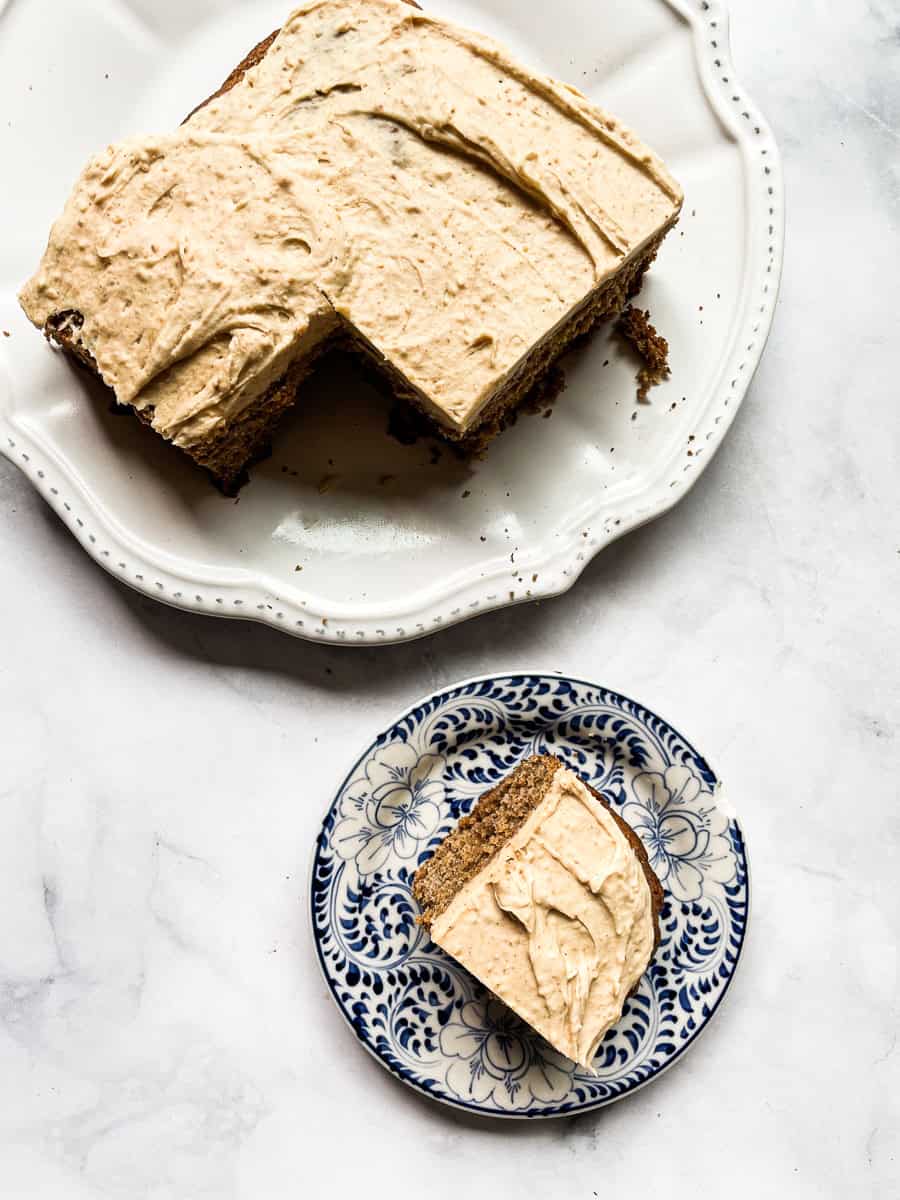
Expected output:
(559, 924)
(378, 171)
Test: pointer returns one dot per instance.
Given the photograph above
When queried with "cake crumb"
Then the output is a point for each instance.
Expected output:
(635, 328)
(298, 567)
(6, 333)
(466, 494)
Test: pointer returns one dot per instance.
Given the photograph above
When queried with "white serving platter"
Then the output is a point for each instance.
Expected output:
(344, 534)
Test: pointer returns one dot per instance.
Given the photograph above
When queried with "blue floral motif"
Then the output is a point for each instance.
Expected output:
(419, 1011)
(496, 1057)
(685, 838)
(391, 810)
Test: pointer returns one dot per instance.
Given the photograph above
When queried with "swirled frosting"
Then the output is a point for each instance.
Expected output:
(559, 924)
(378, 168)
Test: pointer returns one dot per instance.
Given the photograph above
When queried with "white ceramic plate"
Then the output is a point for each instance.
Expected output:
(321, 543)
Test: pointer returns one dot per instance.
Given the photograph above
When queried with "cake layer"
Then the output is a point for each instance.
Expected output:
(373, 169)
(547, 899)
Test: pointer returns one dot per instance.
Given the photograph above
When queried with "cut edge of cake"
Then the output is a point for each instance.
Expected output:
(494, 820)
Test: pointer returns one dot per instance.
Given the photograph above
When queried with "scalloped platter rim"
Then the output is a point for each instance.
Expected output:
(376, 553)
(420, 1014)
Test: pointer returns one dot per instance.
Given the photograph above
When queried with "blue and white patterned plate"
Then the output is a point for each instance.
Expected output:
(424, 1016)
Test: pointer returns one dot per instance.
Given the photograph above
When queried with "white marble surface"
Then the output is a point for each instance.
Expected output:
(163, 1029)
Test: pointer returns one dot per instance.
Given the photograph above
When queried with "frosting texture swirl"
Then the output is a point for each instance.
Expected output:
(559, 924)
(378, 169)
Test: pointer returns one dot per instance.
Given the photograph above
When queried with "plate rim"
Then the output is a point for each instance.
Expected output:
(240, 592)
(462, 1105)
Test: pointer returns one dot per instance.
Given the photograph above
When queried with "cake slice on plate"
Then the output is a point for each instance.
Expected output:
(546, 895)
(370, 176)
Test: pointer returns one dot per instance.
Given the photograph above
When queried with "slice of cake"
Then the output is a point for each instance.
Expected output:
(368, 175)
(546, 895)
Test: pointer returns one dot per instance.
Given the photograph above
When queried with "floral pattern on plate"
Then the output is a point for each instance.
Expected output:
(392, 809)
(419, 1012)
